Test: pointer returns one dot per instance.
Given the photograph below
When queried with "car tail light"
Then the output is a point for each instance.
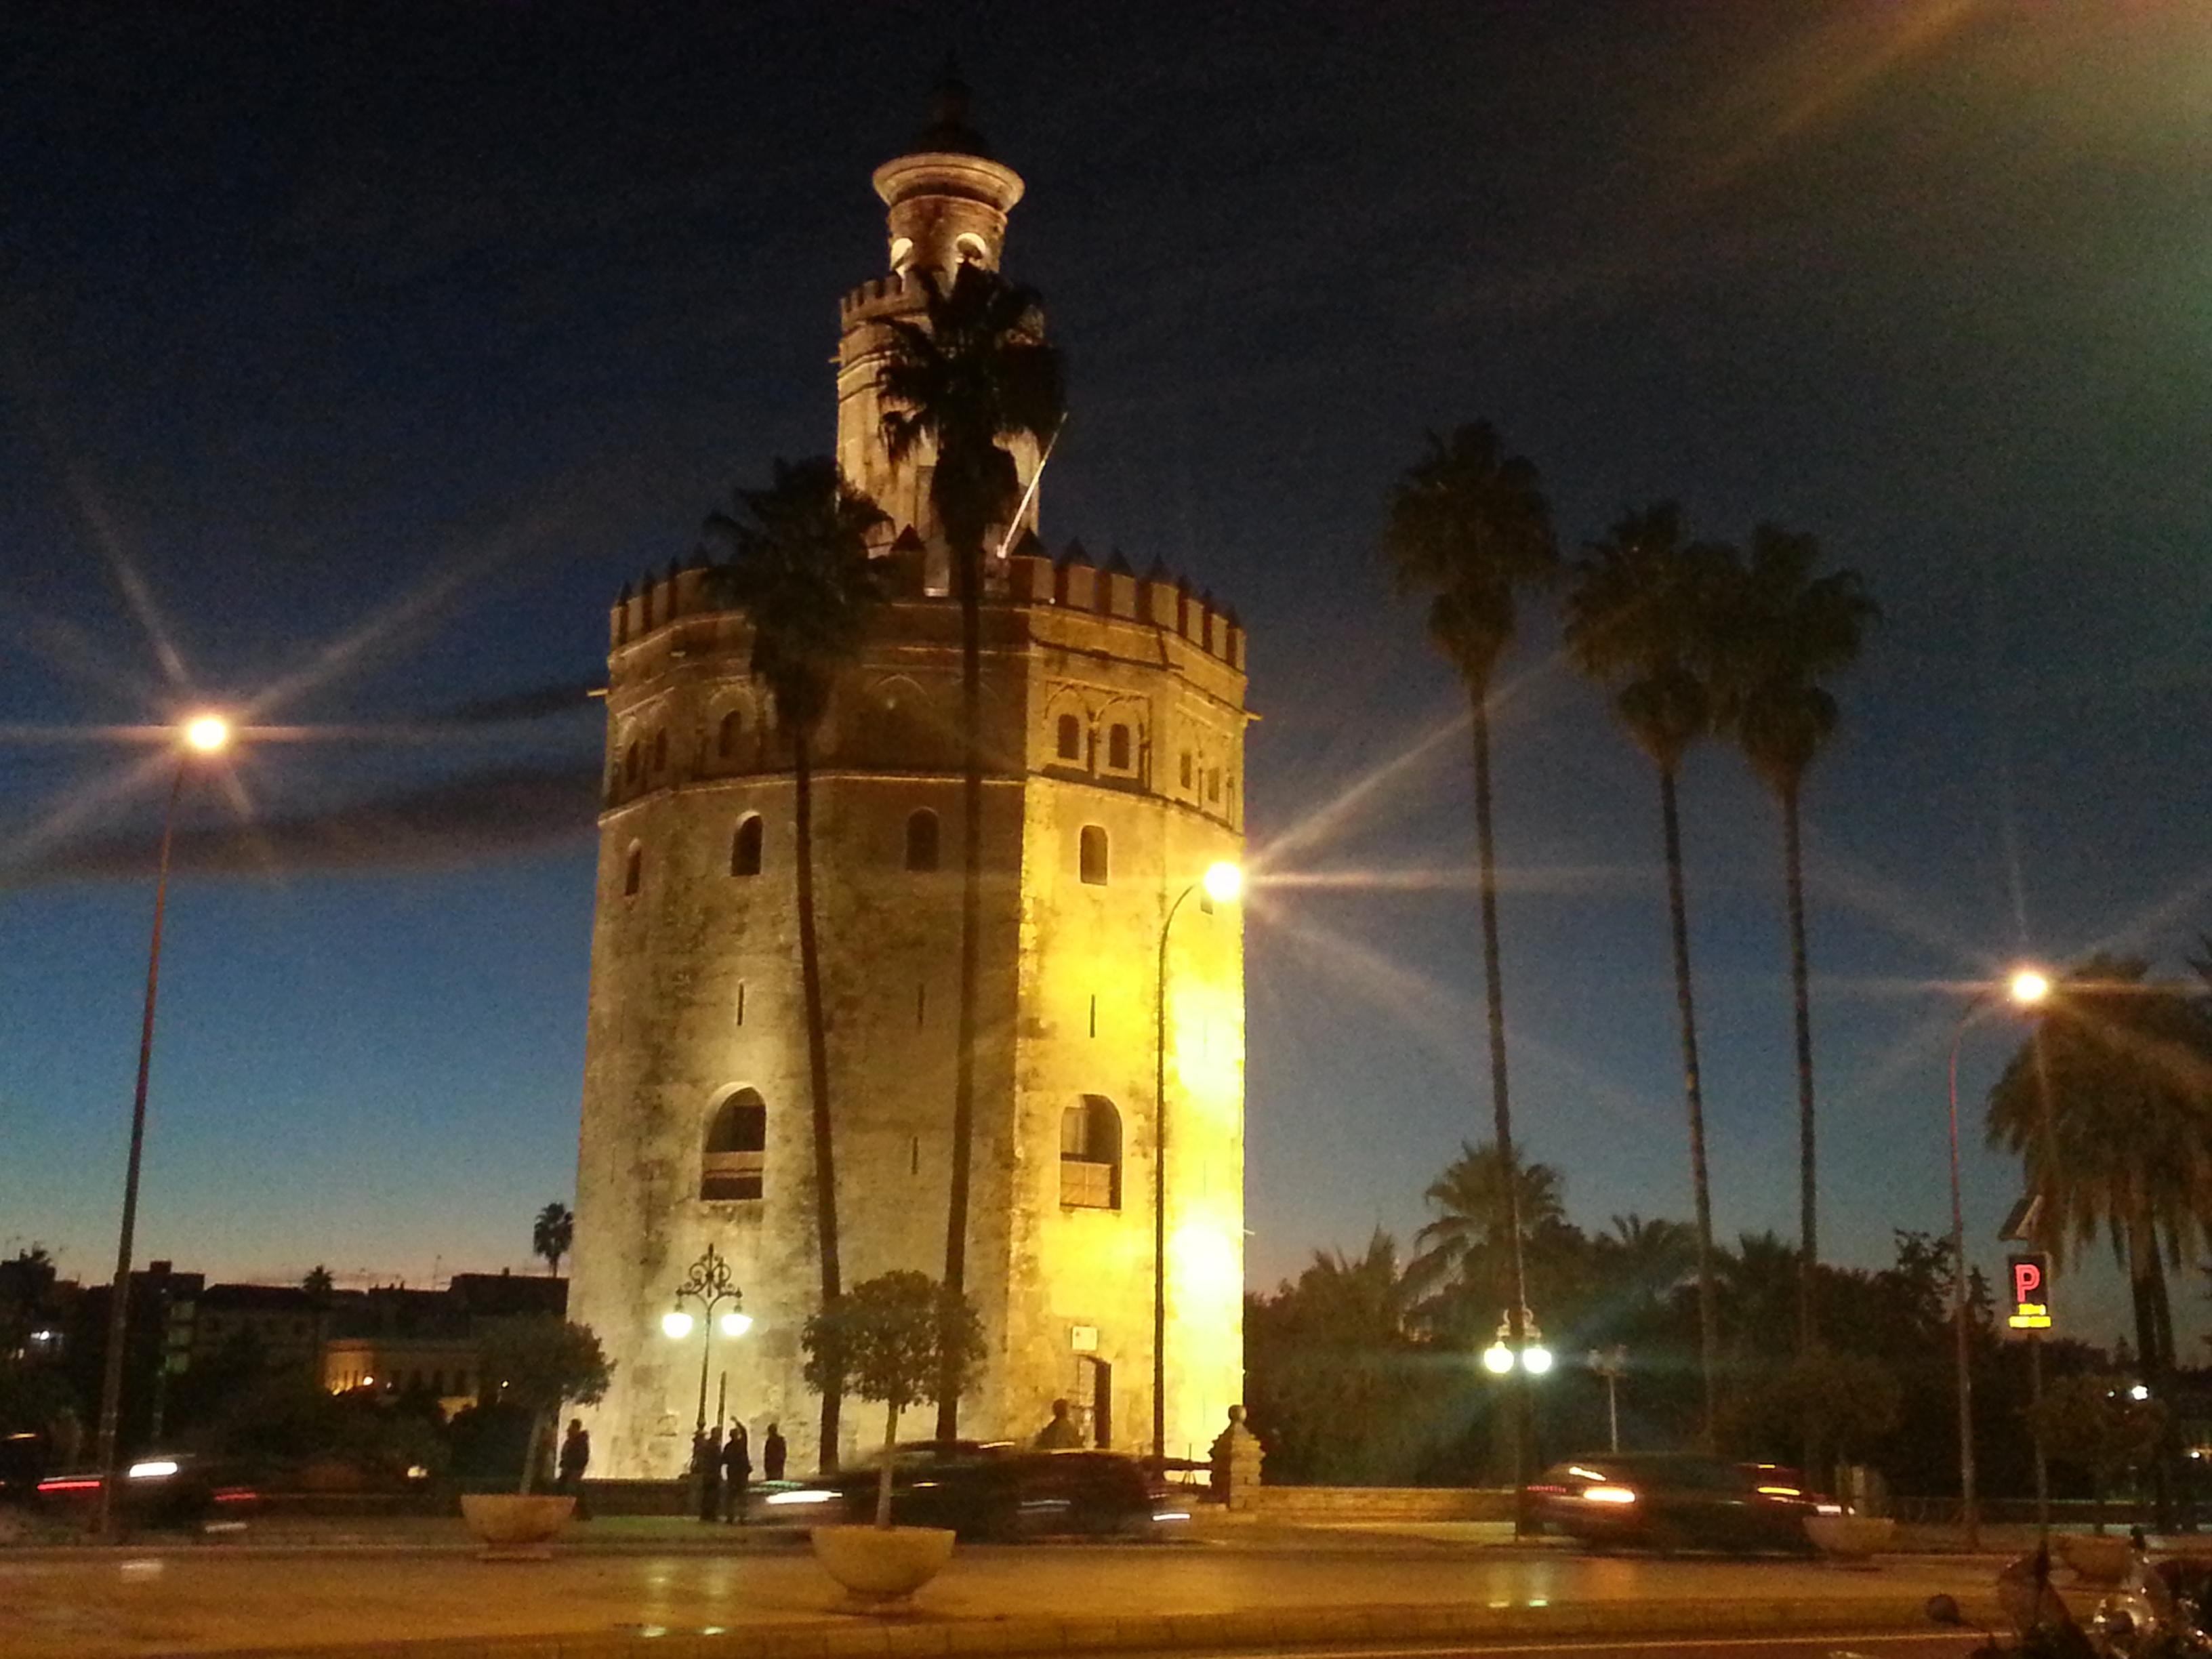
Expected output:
(1608, 1495)
(71, 1483)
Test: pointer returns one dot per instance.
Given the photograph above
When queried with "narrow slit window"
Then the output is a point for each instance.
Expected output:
(921, 840)
(745, 847)
(1186, 768)
(1091, 856)
(633, 872)
(1117, 748)
(1071, 738)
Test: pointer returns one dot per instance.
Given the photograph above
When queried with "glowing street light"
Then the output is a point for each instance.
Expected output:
(1501, 1358)
(2026, 988)
(1222, 883)
(676, 1324)
(707, 1282)
(202, 735)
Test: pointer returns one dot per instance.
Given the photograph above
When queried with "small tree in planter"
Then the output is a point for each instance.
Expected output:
(2093, 1421)
(898, 1338)
(541, 1363)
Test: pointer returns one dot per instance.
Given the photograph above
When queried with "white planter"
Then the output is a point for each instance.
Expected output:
(2096, 1560)
(513, 1528)
(882, 1564)
(1851, 1538)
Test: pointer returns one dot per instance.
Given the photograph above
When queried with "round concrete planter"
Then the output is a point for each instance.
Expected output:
(513, 1528)
(882, 1564)
(1851, 1538)
(2096, 1560)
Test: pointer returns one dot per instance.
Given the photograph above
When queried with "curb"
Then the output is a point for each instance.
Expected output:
(918, 1635)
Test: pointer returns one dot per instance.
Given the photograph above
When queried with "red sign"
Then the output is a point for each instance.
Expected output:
(2030, 1300)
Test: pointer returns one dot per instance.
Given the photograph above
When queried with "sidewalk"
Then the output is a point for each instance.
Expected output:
(754, 1603)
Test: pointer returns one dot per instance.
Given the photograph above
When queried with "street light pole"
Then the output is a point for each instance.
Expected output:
(206, 734)
(1222, 883)
(2026, 988)
(707, 1282)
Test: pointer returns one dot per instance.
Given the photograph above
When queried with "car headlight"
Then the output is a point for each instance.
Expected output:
(154, 1468)
(804, 1495)
(1608, 1495)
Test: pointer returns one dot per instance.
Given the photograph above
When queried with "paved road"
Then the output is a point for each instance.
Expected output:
(198, 1599)
(1868, 1645)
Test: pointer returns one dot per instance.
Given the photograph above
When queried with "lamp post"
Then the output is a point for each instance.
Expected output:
(2026, 988)
(1610, 1363)
(1519, 1347)
(202, 734)
(707, 1282)
(1222, 883)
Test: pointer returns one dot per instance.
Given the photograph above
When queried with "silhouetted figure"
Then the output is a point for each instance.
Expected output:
(1061, 1432)
(706, 1469)
(773, 1452)
(575, 1458)
(736, 1474)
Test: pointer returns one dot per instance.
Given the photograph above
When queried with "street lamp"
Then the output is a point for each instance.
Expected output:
(1223, 884)
(1532, 1357)
(2025, 987)
(202, 734)
(707, 1282)
(1610, 1363)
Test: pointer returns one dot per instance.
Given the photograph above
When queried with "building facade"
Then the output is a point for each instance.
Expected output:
(1114, 720)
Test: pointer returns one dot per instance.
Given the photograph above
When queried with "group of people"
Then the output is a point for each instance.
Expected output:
(723, 1466)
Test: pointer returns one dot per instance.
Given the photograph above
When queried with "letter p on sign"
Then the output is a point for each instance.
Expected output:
(2030, 1305)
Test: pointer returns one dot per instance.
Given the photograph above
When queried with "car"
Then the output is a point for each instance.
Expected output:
(1677, 1500)
(998, 1490)
(158, 1490)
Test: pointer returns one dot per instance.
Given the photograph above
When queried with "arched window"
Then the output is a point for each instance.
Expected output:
(970, 248)
(732, 729)
(1091, 860)
(921, 840)
(745, 847)
(633, 872)
(1117, 748)
(737, 1147)
(630, 762)
(1071, 738)
(1090, 1155)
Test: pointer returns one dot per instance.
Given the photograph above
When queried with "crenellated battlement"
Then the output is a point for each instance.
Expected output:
(1070, 583)
(894, 291)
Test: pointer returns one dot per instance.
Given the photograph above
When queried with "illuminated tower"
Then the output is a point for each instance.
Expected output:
(1114, 719)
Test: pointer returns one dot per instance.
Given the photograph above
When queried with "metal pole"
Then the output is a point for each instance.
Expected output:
(118, 1308)
(705, 1353)
(1612, 1411)
(2042, 1465)
(1969, 1513)
(1160, 1189)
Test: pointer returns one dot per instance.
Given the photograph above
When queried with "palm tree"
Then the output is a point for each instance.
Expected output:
(551, 1234)
(1478, 1210)
(1469, 526)
(320, 1285)
(1787, 631)
(799, 568)
(2108, 1107)
(1641, 619)
(972, 376)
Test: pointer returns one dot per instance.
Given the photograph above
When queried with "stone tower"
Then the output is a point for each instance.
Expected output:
(1114, 719)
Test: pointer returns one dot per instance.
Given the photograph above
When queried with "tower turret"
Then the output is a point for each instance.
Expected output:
(948, 203)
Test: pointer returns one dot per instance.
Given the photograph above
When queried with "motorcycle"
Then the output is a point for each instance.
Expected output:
(2158, 1611)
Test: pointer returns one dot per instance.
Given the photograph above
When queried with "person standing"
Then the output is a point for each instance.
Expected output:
(1062, 1433)
(575, 1458)
(737, 1474)
(707, 1467)
(773, 1452)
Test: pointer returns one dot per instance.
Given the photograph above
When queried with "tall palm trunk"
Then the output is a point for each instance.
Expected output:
(1809, 1257)
(1678, 914)
(2153, 1314)
(818, 1061)
(967, 556)
(1517, 1287)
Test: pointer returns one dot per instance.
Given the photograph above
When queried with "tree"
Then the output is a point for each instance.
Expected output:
(1640, 620)
(974, 374)
(896, 1338)
(1470, 527)
(320, 1287)
(801, 571)
(2108, 1105)
(538, 1363)
(1837, 1404)
(1479, 1214)
(2091, 1421)
(1786, 632)
(552, 1234)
